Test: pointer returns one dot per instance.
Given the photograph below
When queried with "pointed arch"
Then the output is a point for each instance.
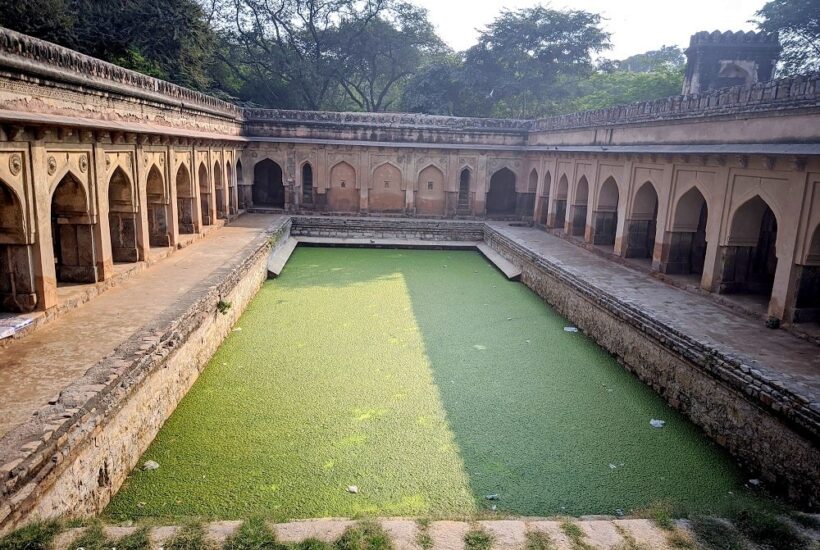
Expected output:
(268, 185)
(464, 183)
(559, 217)
(430, 192)
(204, 194)
(386, 193)
(579, 207)
(685, 252)
(501, 196)
(532, 184)
(17, 292)
(231, 188)
(544, 199)
(158, 214)
(750, 257)
(642, 225)
(307, 183)
(122, 217)
(72, 232)
(186, 198)
(605, 222)
(11, 216)
(242, 190)
(342, 195)
(807, 304)
(219, 189)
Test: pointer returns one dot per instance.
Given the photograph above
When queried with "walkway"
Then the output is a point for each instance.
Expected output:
(793, 361)
(38, 366)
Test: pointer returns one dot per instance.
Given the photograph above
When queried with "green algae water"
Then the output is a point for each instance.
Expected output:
(429, 382)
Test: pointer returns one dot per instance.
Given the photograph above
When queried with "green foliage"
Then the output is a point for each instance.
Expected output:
(661, 515)
(190, 536)
(539, 540)
(365, 535)
(223, 307)
(667, 57)
(423, 538)
(477, 539)
(383, 369)
(311, 544)
(35, 536)
(92, 539)
(138, 540)
(253, 534)
(797, 24)
(575, 535)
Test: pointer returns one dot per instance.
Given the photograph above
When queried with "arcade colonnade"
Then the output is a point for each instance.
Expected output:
(76, 204)
(746, 225)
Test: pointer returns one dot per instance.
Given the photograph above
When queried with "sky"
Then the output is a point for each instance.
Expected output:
(636, 25)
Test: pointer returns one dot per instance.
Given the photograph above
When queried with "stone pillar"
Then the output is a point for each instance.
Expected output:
(45, 274)
(98, 181)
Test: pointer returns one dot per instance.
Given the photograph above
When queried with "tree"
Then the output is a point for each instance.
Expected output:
(667, 57)
(521, 55)
(169, 39)
(797, 24)
(605, 89)
(372, 70)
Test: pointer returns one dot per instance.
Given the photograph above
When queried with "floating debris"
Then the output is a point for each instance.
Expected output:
(655, 423)
(492, 497)
(620, 513)
(353, 489)
(754, 482)
(479, 347)
(612, 466)
(237, 329)
(150, 465)
(570, 329)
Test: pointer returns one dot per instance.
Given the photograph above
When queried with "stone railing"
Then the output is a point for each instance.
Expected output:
(386, 120)
(27, 54)
(792, 92)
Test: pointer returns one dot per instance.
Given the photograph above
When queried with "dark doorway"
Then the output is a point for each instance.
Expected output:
(307, 183)
(501, 196)
(464, 192)
(268, 188)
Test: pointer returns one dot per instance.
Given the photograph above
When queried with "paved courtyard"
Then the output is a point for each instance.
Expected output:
(793, 361)
(35, 368)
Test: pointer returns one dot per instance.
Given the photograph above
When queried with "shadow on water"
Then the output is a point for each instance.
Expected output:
(543, 418)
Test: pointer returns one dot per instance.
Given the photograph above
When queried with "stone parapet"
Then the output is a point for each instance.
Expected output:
(387, 228)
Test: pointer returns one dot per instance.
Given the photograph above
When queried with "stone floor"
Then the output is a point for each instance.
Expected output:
(792, 360)
(36, 367)
(445, 535)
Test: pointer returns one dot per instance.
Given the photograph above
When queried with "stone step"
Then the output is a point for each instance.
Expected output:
(280, 256)
(510, 270)
(404, 533)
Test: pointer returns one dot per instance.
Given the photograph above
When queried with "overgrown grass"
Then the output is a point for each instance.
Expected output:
(539, 540)
(365, 535)
(423, 538)
(138, 540)
(629, 542)
(35, 536)
(190, 536)
(253, 534)
(477, 539)
(429, 381)
(575, 535)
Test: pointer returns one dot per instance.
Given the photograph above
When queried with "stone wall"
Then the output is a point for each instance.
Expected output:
(73, 456)
(768, 428)
(387, 228)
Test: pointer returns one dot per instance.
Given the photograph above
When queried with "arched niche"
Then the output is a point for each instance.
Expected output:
(605, 219)
(122, 217)
(501, 196)
(431, 197)
(642, 223)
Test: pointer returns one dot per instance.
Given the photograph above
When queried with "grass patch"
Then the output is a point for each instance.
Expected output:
(365, 535)
(575, 535)
(311, 544)
(660, 513)
(423, 538)
(629, 542)
(538, 540)
(768, 530)
(138, 540)
(190, 536)
(253, 534)
(477, 539)
(717, 534)
(679, 538)
(429, 381)
(35, 536)
(92, 539)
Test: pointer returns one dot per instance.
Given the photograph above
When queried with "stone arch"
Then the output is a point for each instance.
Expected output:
(204, 194)
(242, 198)
(501, 196)
(158, 216)
(579, 208)
(686, 249)
(72, 232)
(532, 184)
(750, 256)
(465, 177)
(268, 185)
(643, 223)
(122, 217)
(386, 193)
(342, 195)
(430, 193)
(219, 189)
(185, 200)
(560, 203)
(605, 217)
(307, 183)
(231, 188)
(545, 198)
(17, 292)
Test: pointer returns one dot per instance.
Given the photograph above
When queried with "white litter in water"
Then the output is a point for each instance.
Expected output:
(612, 466)
(655, 423)
(479, 346)
(352, 489)
(754, 482)
(150, 465)
(570, 329)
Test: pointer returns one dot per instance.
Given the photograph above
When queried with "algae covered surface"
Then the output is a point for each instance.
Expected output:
(429, 382)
